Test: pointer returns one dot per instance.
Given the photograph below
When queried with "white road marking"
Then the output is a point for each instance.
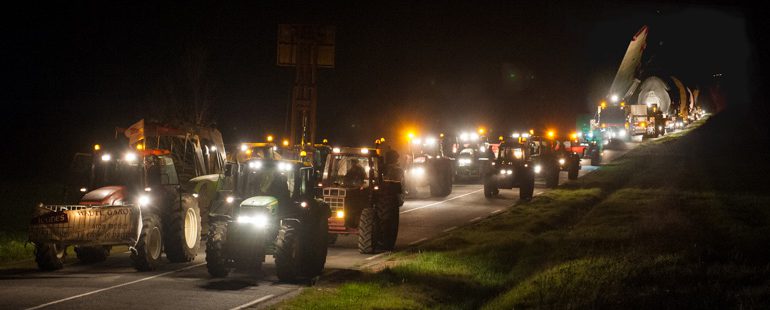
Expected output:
(259, 300)
(418, 241)
(376, 256)
(440, 202)
(496, 212)
(475, 219)
(114, 287)
(450, 229)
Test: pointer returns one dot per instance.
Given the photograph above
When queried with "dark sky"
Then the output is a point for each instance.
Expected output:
(72, 71)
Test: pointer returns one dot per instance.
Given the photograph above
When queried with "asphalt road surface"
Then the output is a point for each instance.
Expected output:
(115, 284)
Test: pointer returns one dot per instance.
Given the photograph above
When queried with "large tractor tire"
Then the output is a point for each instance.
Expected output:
(436, 184)
(288, 253)
(552, 176)
(527, 187)
(490, 189)
(50, 256)
(572, 172)
(315, 246)
(92, 254)
(596, 158)
(388, 218)
(366, 231)
(183, 230)
(216, 259)
(146, 253)
(448, 181)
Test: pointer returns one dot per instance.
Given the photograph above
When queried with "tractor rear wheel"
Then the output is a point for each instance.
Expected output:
(552, 176)
(146, 253)
(388, 218)
(490, 189)
(50, 256)
(527, 187)
(366, 231)
(572, 173)
(216, 260)
(183, 230)
(315, 246)
(288, 259)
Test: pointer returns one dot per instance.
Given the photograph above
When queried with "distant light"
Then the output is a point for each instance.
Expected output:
(614, 98)
(83, 189)
(336, 150)
(106, 157)
(130, 157)
(364, 151)
(213, 148)
(244, 147)
(269, 138)
(285, 142)
(97, 147)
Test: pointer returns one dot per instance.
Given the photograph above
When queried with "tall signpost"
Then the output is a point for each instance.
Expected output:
(307, 48)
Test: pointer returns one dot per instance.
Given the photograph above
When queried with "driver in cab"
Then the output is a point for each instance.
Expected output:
(356, 175)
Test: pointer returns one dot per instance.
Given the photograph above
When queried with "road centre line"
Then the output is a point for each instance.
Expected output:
(254, 302)
(376, 256)
(440, 202)
(450, 229)
(476, 219)
(114, 287)
(418, 241)
(496, 212)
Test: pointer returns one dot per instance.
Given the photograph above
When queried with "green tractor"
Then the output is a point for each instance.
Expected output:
(270, 209)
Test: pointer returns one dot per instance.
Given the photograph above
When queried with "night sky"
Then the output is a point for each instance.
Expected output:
(73, 71)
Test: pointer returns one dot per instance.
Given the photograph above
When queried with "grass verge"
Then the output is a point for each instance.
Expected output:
(674, 223)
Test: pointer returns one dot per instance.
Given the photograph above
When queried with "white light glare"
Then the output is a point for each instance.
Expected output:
(255, 165)
(537, 169)
(259, 220)
(106, 157)
(144, 200)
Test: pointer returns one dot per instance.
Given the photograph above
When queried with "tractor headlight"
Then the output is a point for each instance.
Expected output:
(518, 153)
(622, 133)
(258, 220)
(509, 172)
(418, 171)
(106, 157)
(230, 199)
(340, 214)
(537, 169)
(144, 200)
(562, 161)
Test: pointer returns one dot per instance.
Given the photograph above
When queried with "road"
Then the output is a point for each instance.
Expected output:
(115, 284)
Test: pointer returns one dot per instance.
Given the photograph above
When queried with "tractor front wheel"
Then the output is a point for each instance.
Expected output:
(50, 256)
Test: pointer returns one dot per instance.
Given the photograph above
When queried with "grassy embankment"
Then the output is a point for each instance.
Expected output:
(679, 222)
(19, 199)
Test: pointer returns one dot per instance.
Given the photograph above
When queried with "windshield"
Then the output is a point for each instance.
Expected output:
(347, 170)
(613, 115)
(116, 172)
(509, 153)
(268, 180)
